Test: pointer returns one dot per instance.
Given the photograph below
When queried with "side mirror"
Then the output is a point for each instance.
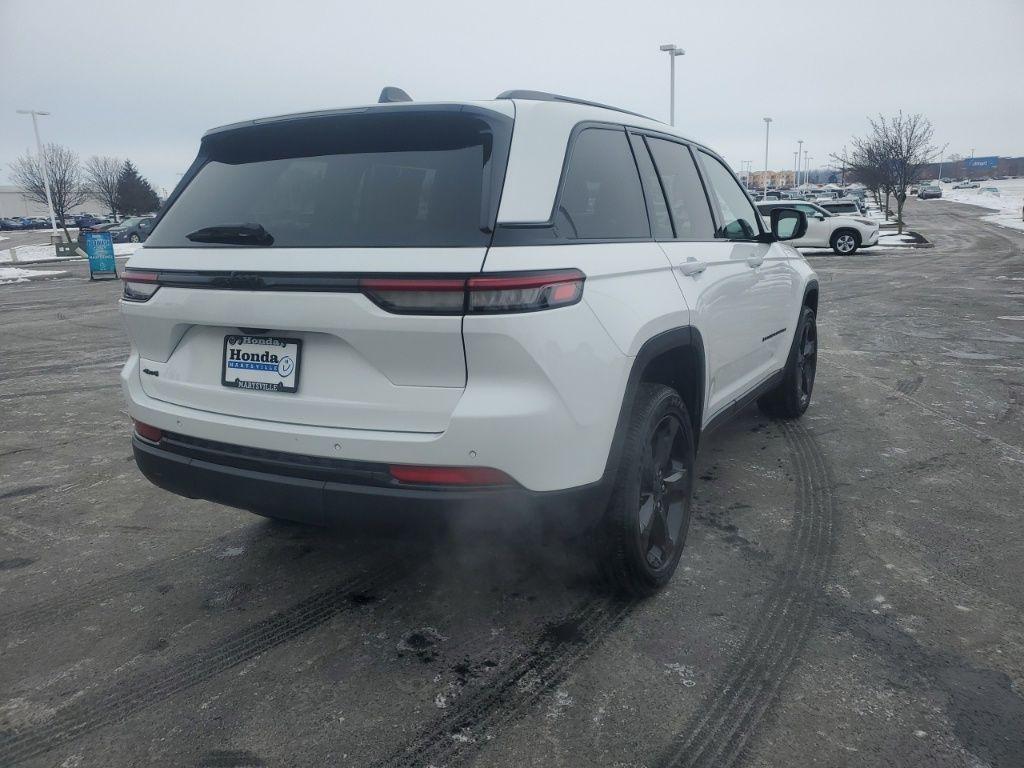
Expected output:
(788, 223)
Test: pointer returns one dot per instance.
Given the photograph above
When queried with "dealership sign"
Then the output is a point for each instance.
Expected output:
(981, 163)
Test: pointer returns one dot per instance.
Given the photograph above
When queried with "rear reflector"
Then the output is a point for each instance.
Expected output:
(405, 473)
(148, 432)
(499, 293)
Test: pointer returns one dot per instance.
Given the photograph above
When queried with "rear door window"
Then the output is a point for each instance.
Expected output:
(395, 178)
(601, 198)
(737, 218)
(687, 201)
(657, 208)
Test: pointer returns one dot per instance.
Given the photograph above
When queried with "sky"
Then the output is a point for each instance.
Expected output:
(143, 80)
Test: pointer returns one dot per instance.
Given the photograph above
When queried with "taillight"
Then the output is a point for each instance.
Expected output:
(417, 296)
(524, 293)
(414, 475)
(139, 286)
(148, 432)
(498, 293)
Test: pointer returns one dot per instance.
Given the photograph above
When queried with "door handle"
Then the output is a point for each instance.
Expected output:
(692, 267)
(755, 261)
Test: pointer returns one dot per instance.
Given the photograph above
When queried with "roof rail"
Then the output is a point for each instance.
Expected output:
(544, 96)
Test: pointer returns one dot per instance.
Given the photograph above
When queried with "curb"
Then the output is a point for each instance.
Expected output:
(29, 264)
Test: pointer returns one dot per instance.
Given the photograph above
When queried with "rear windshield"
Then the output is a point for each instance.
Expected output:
(381, 178)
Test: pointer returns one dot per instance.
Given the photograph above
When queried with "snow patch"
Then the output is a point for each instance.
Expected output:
(9, 275)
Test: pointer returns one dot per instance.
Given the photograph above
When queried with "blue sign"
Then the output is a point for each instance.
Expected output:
(100, 248)
(981, 163)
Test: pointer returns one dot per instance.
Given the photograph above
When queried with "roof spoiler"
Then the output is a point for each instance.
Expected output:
(389, 94)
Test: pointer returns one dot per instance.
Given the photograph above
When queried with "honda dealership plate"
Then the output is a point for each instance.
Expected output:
(263, 363)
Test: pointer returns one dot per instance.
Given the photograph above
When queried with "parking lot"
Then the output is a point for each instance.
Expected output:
(850, 594)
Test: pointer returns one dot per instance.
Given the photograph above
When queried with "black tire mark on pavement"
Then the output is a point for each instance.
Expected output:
(27, 490)
(506, 697)
(145, 689)
(135, 580)
(910, 385)
(717, 736)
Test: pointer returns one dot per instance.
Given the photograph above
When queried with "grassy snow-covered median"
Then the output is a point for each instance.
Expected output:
(45, 252)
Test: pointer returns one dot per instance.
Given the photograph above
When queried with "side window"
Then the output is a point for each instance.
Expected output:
(685, 193)
(601, 196)
(739, 221)
(661, 224)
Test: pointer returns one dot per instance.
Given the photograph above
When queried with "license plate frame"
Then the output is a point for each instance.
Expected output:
(264, 381)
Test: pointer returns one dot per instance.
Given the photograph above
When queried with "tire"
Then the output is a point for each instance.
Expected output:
(790, 399)
(639, 541)
(845, 242)
(133, 238)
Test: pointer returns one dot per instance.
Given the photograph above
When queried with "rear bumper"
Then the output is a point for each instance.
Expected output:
(315, 491)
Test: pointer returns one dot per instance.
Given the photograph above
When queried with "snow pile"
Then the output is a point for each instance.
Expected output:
(44, 252)
(1007, 204)
(10, 275)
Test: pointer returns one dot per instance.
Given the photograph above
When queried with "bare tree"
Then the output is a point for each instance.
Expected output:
(893, 154)
(101, 177)
(66, 187)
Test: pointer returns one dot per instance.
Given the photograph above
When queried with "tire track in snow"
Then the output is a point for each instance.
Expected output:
(718, 735)
(145, 689)
(531, 675)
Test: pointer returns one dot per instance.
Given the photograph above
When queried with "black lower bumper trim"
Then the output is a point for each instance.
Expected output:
(322, 502)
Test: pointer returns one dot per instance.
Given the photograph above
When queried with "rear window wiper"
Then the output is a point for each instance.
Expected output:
(236, 234)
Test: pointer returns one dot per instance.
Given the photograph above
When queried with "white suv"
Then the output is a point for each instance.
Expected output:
(527, 303)
(843, 234)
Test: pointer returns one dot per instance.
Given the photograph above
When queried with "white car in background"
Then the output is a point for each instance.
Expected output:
(843, 234)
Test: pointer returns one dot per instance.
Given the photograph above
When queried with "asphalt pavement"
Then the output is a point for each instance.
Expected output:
(850, 594)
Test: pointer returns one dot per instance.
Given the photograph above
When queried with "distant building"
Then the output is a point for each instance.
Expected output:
(13, 204)
(777, 179)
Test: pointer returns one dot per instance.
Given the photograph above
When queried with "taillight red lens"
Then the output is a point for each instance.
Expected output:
(522, 292)
(405, 473)
(139, 286)
(148, 432)
(525, 293)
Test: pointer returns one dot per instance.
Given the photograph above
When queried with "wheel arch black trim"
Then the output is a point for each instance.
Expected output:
(683, 339)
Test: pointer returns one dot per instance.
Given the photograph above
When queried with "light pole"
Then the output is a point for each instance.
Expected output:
(799, 150)
(805, 166)
(794, 170)
(46, 166)
(767, 125)
(672, 52)
(810, 159)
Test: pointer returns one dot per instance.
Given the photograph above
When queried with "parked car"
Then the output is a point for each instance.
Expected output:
(88, 220)
(844, 206)
(946, 180)
(368, 341)
(989, 191)
(132, 230)
(843, 234)
(966, 185)
(929, 192)
(9, 225)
